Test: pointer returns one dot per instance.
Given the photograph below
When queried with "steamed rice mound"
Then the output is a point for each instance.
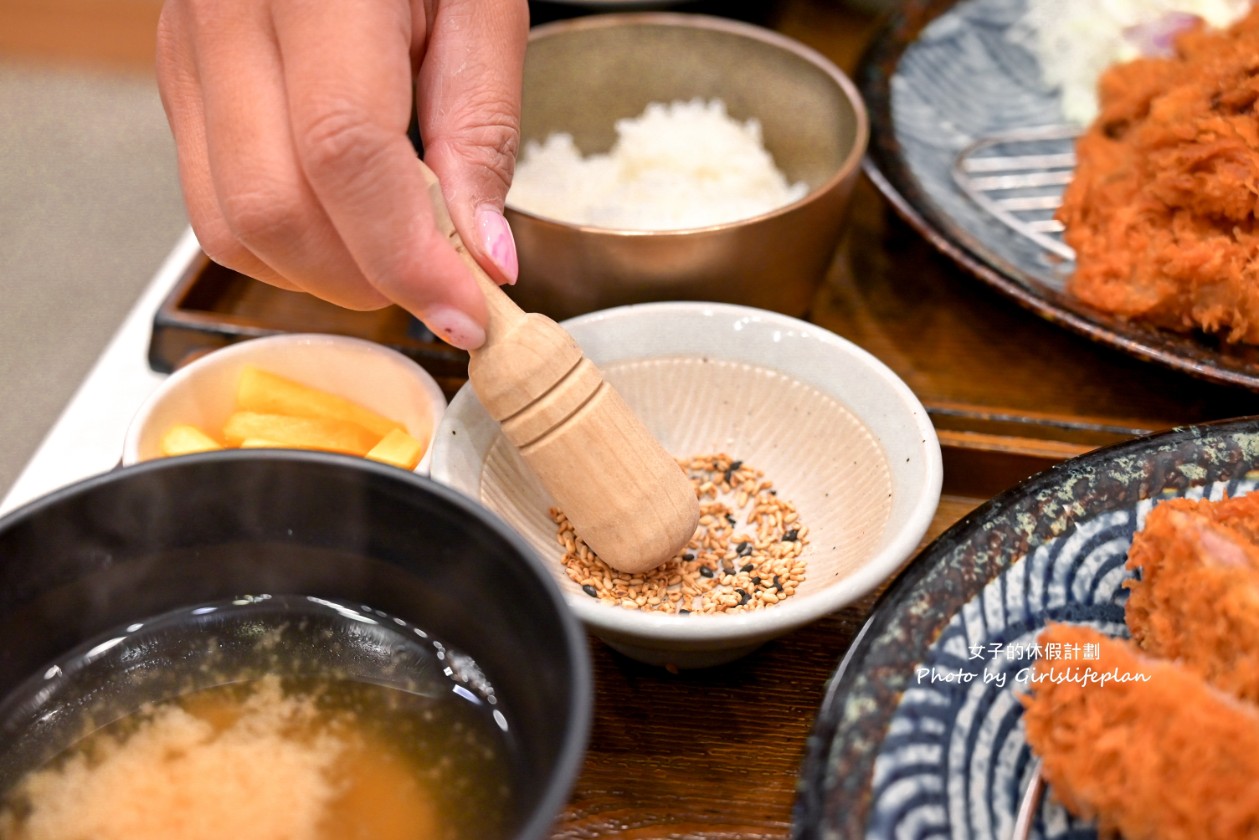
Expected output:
(678, 165)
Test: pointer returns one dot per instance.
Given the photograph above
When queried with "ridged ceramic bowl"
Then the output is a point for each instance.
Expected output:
(838, 434)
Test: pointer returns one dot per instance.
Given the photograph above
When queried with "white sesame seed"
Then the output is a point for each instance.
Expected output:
(716, 547)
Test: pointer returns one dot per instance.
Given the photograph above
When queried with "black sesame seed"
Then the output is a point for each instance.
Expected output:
(689, 556)
(792, 535)
(747, 567)
(730, 519)
(590, 590)
(729, 474)
(778, 584)
(684, 612)
(743, 549)
(756, 580)
(706, 571)
(744, 597)
(734, 465)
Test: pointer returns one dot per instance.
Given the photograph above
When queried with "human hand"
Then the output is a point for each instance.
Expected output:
(290, 120)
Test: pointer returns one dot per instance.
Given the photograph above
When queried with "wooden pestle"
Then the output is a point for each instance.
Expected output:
(626, 497)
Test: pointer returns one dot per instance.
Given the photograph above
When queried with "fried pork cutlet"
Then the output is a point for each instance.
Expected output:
(1197, 598)
(1161, 209)
(1154, 752)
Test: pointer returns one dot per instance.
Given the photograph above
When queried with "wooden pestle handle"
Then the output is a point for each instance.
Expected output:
(626, 497)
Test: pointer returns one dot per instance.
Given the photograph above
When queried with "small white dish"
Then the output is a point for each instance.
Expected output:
(203, 392)
(835, 430)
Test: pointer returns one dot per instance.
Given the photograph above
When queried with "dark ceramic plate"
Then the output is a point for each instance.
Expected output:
(943, 73)
(920, 734)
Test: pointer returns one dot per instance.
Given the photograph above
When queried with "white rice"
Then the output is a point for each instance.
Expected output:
(676, 166)
(1076, 40)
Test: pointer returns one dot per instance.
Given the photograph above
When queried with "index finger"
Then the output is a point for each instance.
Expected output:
(469, 113)
(347, 68)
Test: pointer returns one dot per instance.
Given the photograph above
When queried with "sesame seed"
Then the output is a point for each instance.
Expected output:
(706, 576)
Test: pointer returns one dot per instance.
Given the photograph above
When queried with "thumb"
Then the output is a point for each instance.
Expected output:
(468, 103)
(475, 194)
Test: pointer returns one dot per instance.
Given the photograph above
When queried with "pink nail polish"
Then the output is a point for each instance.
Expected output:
(497, 242)
(454, 327)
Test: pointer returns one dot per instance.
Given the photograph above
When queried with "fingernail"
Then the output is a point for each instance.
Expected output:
(497, 242)
(455, 327)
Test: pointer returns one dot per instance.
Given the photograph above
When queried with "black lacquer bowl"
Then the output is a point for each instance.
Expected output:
(380, 568)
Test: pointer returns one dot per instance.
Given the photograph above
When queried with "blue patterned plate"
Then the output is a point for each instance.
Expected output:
(944, 74)
(920, 734)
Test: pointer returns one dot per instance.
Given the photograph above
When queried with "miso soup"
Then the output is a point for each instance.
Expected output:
(291, 718)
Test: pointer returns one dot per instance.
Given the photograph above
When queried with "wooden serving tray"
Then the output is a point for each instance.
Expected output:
(1009, 393)
(211, 307)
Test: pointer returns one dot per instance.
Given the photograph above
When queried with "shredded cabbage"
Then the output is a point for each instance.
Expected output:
(1076, 40)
